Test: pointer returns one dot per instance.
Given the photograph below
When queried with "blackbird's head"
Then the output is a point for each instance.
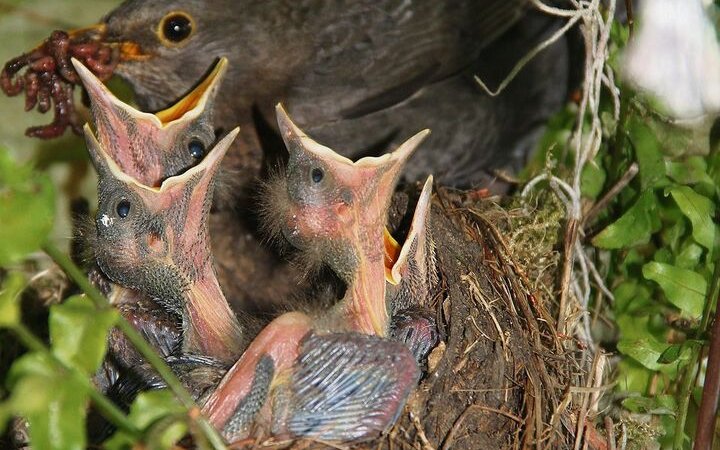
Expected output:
(153, 147)
(329, 206)
(166, 46)
(155, 239)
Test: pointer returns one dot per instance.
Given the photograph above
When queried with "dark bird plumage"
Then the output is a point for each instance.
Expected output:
(361, 76)
(358, 75)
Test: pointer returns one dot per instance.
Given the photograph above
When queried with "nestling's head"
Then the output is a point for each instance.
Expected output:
(154, 239)
(153, 147)
(329, 206)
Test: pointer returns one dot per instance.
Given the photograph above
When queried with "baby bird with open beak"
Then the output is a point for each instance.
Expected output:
(335, 375)
(154, 240)
(151, 148)
(134, 154)
(158, 237)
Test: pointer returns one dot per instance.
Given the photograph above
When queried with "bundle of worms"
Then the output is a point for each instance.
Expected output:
(49, 79)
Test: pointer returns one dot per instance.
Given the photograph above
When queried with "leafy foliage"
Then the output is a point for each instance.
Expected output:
(50, 385)
(27, 208)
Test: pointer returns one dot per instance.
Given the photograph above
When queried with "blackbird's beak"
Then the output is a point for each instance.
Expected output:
(127, 50)
(196, 101)
(150, 147)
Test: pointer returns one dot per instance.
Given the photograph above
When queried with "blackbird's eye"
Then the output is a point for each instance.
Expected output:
(317, 175)
(123, 208)
(176, 27)
(196, 149)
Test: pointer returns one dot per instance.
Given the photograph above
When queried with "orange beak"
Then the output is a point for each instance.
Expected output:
(128, 50)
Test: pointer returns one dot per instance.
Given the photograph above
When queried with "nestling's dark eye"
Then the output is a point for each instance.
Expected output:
(317, 174)
(196, 148)
(123, 208)
(176, 27)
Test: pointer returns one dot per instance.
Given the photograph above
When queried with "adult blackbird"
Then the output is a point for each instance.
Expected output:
(359, 75)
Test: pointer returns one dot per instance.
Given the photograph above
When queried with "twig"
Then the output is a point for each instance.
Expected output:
(630, 17)
(527, 58)
(136, 339)
(601, 204)
(461, 418)
(426, 445)
(566, 274)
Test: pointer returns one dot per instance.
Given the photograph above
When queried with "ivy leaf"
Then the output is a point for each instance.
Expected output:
(27, 210)
(53, 402)
(634, 227)
(692, 170)
(659, 405)
(160, 415)
(9, 305)
(683, 288)
(647, 351)
(700, 210)
(649, 155)
(78, 332)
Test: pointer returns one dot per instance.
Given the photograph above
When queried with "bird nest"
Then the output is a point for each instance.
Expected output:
(502, 376)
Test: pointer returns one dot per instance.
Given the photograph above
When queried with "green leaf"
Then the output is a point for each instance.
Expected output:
(700, 210)
(634, 227)
(9, 304)
(165, 433)
(27, 210)
(152, 405)
(671, 354)
(78, 332)
(673, 231)
(647, 352)
(649, 155)
(159, 414)
(683, 288)
(691, 170)
(689, 255)
(659, 405)
(633, 376)
(53, 402)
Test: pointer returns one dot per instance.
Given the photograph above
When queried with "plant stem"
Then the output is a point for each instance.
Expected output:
(684, 399)
(132, 334)
(707, 414)
(135, 338)
(689, 375)
(107, 408)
